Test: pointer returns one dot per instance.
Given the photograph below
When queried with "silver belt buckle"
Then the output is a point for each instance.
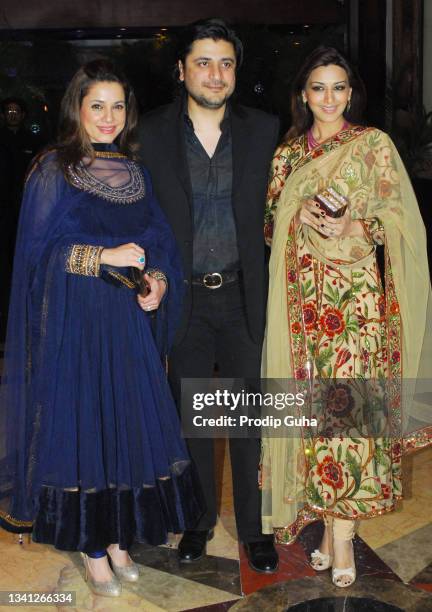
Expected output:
(214, 275)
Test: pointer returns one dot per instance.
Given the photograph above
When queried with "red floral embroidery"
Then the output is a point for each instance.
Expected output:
(292, 276)
(300, 373)
(343, 356)
(397, 449)
(382, 306)
(394, 308)
(340, 400)
(296, 328)
(395, 356)
(361, 320)
(364, 356)
(369, 159)
(309, 316)
(317, 153)
(385, 491)
(332, 322)
(330, 472)
(384, 188)
(305, 261)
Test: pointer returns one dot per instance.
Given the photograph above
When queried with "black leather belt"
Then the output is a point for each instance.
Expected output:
(215, 280)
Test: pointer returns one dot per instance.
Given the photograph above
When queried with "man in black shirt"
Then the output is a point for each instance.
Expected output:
(209, 161)
(215, 242)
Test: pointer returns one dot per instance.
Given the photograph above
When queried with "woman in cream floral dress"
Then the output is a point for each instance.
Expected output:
(333, 324)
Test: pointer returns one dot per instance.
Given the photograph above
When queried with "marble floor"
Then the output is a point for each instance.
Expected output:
(394, 564)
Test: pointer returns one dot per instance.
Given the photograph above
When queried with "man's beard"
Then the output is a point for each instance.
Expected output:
(201, 100)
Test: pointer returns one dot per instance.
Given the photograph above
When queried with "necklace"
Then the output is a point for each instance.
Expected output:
(114, 154)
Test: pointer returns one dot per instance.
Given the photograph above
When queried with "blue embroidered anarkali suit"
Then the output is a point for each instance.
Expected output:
(90, 448)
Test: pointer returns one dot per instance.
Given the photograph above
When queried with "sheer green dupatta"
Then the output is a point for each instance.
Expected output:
(363, 164)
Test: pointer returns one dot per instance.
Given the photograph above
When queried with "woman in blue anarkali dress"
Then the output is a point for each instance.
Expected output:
(91, 452)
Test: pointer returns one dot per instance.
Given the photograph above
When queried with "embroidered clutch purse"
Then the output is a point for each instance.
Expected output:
(331, 202)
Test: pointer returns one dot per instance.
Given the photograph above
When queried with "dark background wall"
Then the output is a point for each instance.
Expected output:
(29, 14)
(42, 44)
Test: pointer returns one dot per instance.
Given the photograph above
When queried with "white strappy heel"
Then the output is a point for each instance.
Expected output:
(344, 577)
(320, 561)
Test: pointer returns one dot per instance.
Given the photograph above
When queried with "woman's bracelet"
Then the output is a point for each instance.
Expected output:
(157, 275)
(373, 230)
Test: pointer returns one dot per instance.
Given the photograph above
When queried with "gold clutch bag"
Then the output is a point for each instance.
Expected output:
(331, 202)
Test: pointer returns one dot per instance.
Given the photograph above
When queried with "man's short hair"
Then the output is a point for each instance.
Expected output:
(215, 29)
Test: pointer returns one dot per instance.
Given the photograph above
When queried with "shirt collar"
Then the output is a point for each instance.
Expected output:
(188, 121)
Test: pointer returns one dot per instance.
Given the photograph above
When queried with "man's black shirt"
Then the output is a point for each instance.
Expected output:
(214, 235)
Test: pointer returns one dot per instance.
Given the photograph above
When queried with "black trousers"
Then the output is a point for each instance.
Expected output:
(218, 333)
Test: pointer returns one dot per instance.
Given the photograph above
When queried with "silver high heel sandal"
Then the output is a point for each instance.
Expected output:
(320, 561)
(127, 573)
(112, 588)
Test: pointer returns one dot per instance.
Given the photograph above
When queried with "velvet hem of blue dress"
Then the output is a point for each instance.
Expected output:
(73, 520)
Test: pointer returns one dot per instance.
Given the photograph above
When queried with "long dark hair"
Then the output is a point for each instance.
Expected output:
(73, 142)
(302, 117)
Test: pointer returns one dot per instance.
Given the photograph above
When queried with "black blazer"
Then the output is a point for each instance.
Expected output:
(254, 139)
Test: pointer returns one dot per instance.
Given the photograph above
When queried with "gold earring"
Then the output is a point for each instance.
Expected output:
(348, 106)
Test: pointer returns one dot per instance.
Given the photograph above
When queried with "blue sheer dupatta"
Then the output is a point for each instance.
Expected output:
(51, 221)
(46, 203)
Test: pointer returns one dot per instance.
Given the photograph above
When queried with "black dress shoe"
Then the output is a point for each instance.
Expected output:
(193, 544)
(262, 556)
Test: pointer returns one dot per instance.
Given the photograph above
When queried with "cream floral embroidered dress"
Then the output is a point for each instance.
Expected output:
(333, 324)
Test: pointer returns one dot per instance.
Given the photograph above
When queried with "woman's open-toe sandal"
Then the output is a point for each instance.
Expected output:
(344, 577)
(319, 561)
